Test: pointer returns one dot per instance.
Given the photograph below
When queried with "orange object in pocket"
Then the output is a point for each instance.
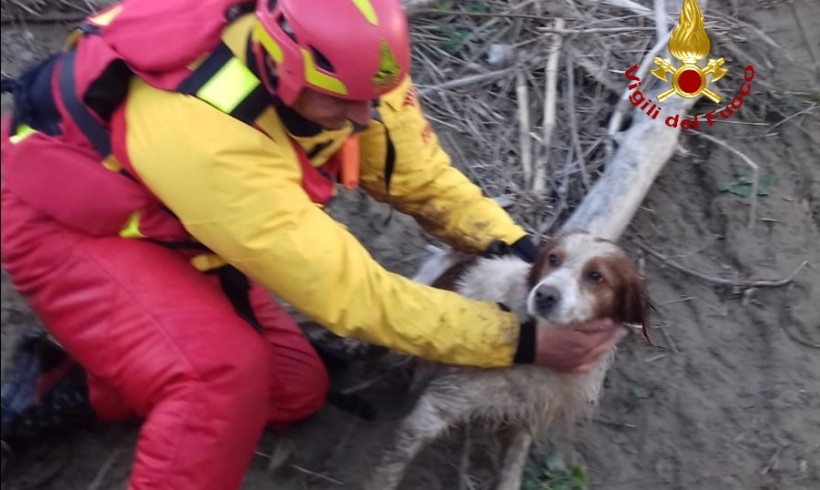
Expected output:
(349, 162)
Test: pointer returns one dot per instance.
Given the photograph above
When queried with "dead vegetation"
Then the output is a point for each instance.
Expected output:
(539, 88)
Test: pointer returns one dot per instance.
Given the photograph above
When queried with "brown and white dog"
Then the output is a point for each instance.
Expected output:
(576, 278)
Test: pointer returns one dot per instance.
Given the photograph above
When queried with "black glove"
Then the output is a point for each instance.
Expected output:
(524, 248)
(525, 353)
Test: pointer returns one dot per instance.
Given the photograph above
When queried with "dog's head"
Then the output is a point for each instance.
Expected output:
(578, 277)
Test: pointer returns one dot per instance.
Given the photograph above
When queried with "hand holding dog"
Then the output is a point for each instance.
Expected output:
(577, 347)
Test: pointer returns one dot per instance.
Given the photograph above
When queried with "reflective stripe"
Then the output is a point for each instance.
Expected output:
(106, 17)
(207, 262)
(110, 162)
(366, 8)
(271, 46)
(72, 39)
(319, 79)
(23, 132)
(131, 228)
(231, 84)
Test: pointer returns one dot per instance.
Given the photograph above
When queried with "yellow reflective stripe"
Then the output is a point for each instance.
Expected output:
(131, 228)
(195, 64)
(110, 162)
(23, 132)
(106, 17)
(72, 39)
(207, 262)
(229, 86)
(319, 79)
(366, 8)
(271, 46)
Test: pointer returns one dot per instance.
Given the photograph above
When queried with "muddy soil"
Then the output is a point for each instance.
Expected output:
(730, 397)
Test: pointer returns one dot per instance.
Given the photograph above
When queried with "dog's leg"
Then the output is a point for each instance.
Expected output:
(420, 428)
(515, 459)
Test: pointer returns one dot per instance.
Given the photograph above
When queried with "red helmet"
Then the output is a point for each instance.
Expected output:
(352, 49)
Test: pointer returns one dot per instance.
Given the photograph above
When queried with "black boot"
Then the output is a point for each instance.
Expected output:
(45, 392)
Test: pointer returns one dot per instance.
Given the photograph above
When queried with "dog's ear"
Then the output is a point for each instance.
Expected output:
(545, 246)
(635, 303)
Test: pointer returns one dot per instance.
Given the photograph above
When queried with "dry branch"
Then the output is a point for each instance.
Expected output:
(540, 175)
(749, 284)
(524, 139)
(643, 152)
(623, 105)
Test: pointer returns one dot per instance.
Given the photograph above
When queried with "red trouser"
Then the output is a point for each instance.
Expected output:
(160, 341)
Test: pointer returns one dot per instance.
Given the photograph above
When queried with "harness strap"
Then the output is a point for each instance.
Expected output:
(96, 134)
(245, 99)
(236, 286)
(389, 161)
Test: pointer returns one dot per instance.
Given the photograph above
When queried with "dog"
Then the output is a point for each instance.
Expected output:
(575, 278)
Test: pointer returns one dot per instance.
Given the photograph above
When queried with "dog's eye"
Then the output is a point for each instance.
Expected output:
(595, 276)
(552, 260)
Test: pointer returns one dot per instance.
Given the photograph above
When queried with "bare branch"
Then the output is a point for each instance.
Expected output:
(540, 176)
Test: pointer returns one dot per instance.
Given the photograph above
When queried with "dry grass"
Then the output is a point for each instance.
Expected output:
(23, 9)
(479, 63)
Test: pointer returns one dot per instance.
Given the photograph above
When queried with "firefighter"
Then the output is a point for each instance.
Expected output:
(164, 177)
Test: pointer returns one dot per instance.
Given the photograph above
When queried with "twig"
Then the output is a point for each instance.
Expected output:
(573, 123)
(719, 280)
(460, 13)
(624, 104)
(661, 29)
(317, 475)
(597, 72)
(755, 172)
(510, 15)
(524, 140)
(464, 81)
(539, 179)
(669, 340)
(25, 7)
(619, 425)
(370, 382)
(104, 469)
(593, 30)
(799, 340)
(804, 111)
(43, 19)
(773, 460)
(809, 45)
(629, 5)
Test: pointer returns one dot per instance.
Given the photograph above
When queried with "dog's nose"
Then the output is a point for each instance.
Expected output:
(546, 297)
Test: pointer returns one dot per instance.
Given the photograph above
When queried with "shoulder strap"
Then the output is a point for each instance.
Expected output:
(225, 82)
(96, 134)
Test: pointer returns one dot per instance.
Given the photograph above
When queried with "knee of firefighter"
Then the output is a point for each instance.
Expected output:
(247, 373)
(314, 389)
(232, 379)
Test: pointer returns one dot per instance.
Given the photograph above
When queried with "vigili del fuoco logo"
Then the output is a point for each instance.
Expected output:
(689, 44)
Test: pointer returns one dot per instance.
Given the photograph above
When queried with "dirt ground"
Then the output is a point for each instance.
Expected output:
(729, 399)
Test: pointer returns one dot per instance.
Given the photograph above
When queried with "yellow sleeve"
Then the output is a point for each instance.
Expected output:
(239, 193)
(424, 184)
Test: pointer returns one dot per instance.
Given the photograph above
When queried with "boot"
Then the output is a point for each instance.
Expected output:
(45, 392)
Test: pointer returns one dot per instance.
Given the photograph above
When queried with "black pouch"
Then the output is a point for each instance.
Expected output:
(33, 97)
